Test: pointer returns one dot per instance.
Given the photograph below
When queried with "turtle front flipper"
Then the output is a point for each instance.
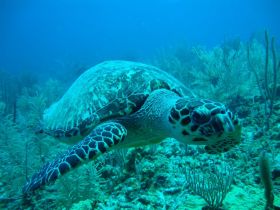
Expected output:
(97, 142)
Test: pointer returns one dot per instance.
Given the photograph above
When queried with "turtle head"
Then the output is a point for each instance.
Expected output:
(204, 122)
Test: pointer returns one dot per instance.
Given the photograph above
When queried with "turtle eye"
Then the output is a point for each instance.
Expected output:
(200, 117)
(230, 114)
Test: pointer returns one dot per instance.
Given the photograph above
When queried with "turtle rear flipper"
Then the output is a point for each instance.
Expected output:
(97, 142)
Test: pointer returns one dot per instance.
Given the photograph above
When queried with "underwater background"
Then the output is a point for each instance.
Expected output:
(227, 51)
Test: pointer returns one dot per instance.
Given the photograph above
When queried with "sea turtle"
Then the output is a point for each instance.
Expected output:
(119, 104)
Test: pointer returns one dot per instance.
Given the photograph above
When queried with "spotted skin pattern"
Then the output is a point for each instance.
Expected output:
(198, 121)
(223, 145)
(99, 141)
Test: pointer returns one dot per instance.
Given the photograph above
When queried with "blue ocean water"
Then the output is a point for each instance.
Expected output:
(49, 35)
